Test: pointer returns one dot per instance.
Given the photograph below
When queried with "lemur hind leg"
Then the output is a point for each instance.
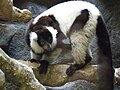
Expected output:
(71, 70)
(79, 42)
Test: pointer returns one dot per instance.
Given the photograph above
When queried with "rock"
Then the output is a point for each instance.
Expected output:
(11, 13)
(18, 48)
(21, 15)
(75, 85)
(6, 7)
(56, 74)
(2, 80)
(34, 8)
(19, 73)
(11, 86)
(41, 2)
(6, 35)
(49, 3)
(12, 40)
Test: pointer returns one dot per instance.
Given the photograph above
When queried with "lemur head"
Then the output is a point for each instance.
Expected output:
(43, 39)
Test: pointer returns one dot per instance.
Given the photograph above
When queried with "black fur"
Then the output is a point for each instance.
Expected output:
(43, 68)
(105, 70)
(44, 36)
(80, 21)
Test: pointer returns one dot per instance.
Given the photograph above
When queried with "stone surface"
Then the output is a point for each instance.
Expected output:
(34, 8)
(21, 15)
(41, 2)
(6, 35)
(2, 80)
(12, 40)
(6, 9)
(18, 48)
(76, 85)
(19, 73)
(56, 74)
(11, 13)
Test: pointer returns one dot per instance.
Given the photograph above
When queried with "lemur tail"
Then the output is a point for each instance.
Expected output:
(105, 70)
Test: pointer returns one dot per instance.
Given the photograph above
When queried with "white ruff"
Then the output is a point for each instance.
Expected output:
(65, 13)
(33, 43)
(54, 35)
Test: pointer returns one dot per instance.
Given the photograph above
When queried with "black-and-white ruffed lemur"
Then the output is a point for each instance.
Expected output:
(72, 23)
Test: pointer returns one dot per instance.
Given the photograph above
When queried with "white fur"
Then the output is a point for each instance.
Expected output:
(65, 13)
(54, 35)
(80, 40)
(34, 56)
(33, 43)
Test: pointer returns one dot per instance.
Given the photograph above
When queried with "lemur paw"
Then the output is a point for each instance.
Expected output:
(43, 67)
(34, 60)
(71, 70)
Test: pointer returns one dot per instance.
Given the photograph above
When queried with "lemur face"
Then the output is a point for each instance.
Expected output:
(43, 40)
